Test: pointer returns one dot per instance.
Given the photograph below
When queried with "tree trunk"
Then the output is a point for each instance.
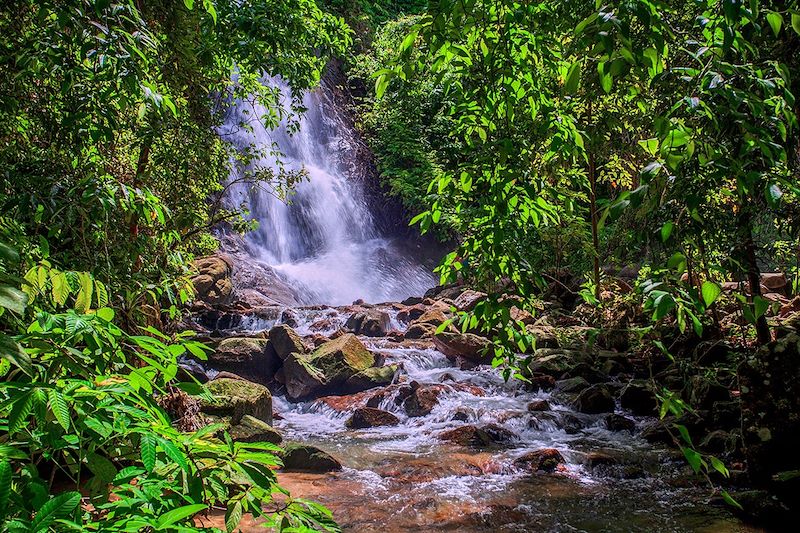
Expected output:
(593, 207)
(753, 274)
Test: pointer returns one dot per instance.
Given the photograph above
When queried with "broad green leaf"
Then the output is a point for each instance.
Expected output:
(693, 458)
(719, 466)
(8, 254)
(105, 313)
(666, 231)
(174, 453)
(233, 516)
(20, 412)
(174, 516)
(710, 291)
(147, 443)
(775, 21)
(729, 500)
(796, 23)
(58, 507)
(5, 487)
(13, 299)
(60, 287)
(101, 467)
(83, 302)
(12, 352)
(59, 408)
(684, 433)
(573, 78)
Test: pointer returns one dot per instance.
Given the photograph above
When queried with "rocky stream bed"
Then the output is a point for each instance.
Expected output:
(396, 428)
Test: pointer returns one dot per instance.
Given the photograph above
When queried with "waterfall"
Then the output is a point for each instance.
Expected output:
(322, 239)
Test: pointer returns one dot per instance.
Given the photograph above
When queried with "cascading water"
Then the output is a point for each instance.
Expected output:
(324, 241)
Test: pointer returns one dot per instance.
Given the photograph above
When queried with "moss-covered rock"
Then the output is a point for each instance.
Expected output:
(236, 398)
(369, 417)
(251, 429)
(213, 280)
(302, 379)
(370, 378)
(465, 345)
(342, 358)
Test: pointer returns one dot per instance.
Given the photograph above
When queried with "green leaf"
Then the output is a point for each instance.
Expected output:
(796, 23)
(12, 352)
(684, 434)
(174, 453)
(719, 466)
(59, 408)
(102, 293)
(60, 287)
(13, 299)
(760, 306)
(233, 515)
(573, 78)
(666, 231)
(83, 302)
(8, 254)
(710, 291)
(693, 458)
(177, 515)
(55, 508)
(9, 452)
(5, 488)
(147, 443)
(106, 314)
(189, 4)
(730, 501)
(775, 21)
(101, 467)
(18, 418)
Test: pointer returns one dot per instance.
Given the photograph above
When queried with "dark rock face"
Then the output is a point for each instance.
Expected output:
(596, 399)
(303, 458)
(571, 385)
(704, 392)
(539, 405)
(251, 358)
(638, 398)
(422, 400)
(370, 378)
(770, 381)
(285, 341)
(545, 460)
(369, 322)
(369, 417)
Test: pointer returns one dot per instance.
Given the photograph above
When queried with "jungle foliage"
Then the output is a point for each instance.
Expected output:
(111, 168)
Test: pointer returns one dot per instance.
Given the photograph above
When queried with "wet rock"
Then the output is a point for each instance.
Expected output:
(420, 331)
(398, 393)
(657, 432)
(213, 280)
(596, 399)
(615, 422)
(587, 372)
(476, 437)
(302, 379)
(251, 358)
(500, 434)
(285, 341)
(541, 382)
(571, 385)
(422, 400)
(539, 405)
(236, 398)
(638, 398)
(251, 429)
(411, 313)
(767, 508)
(369, 322)
(545, 460)
(370, 378)
(461, 415)
(467, 300)
(596, 460)
(555, 362)
(465, 345)
(304, 458)
(368, 417)
(435, 317)
(545, 335)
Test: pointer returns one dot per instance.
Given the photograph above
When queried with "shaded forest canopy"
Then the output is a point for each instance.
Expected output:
(634, 161)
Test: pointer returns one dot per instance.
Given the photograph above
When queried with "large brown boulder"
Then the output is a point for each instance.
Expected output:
(467, 300)
(422, 400)
(236, 398)
(304, 458)
(369, 417)
(285, 341)
(465, 345)
(488, 435)
(251, 358)
(594, 400)
(251, 429)
(545, 460)
(213, 280)
(369, 322)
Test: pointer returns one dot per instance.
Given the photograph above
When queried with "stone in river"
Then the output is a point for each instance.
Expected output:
(596, 399)
(304, 458)
(369, 322)
(368, 417)
(544, 460)
(285, 341)
(236, 398)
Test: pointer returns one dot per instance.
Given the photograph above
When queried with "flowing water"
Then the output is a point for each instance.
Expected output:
(322, 238)
(405, 478)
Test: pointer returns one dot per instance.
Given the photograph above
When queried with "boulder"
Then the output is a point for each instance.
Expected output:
(411, 312)
(544, 334)
(638, 398)
(369, 417)
(595, 399)
(236, 398)
(213, 283)
(328, 367)
(545, 460)
(465, 345)
(587, 372)
(369, 322)
(477, 436)
(616, 422)
(467, 300)
(774, 282)
(304, 458)
(251, 429)
(285, 341)
(555, 362)
(539, 405)
(434, 316)
(370, 378)
(571, 385)
(251, 358)
(420, 331)
(422, 400)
